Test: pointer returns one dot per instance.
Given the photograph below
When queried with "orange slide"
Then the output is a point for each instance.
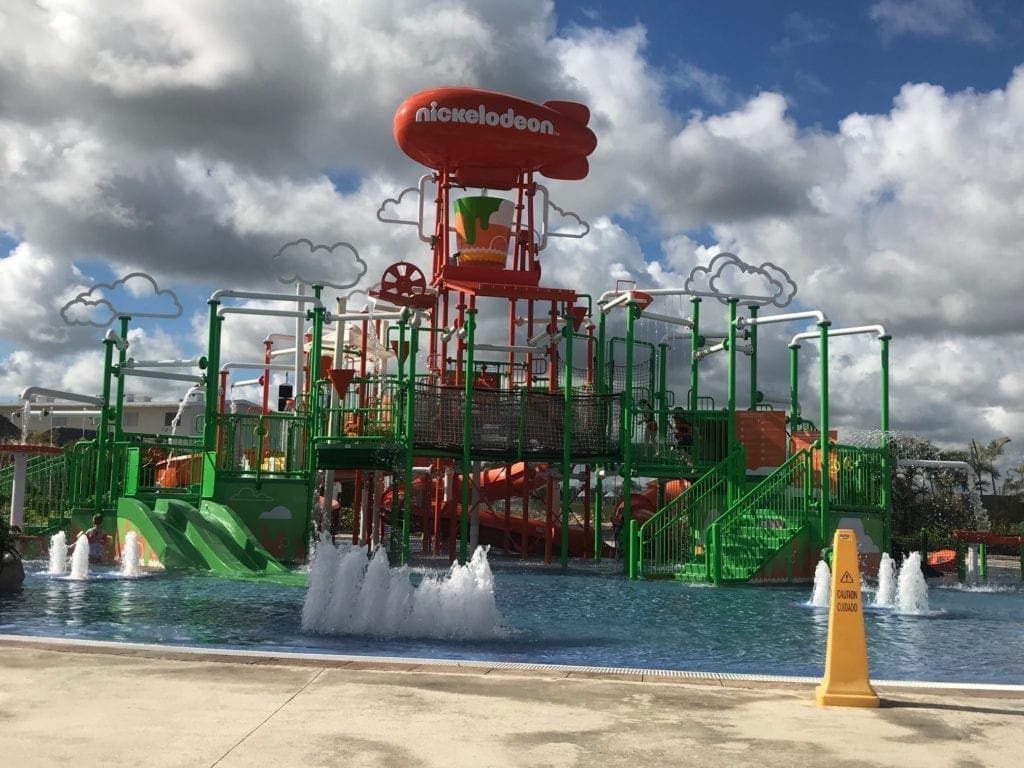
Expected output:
(493, 488)
(643, 505)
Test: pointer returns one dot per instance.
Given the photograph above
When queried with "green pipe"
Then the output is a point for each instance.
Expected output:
(823, 436)
(632, 570)
(733, 491)
(661, 396)
(601, 385)
(467, 437)
(886, 495)
(695, 341)
(213, 355)
(566, 441)
(122, 358)
(599, 517)
(104, 425)
(794, 388)
(410, 412)
(627, 448)
(982, 562)
(752, 335)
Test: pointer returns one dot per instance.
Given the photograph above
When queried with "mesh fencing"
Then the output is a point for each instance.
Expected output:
(516, 422)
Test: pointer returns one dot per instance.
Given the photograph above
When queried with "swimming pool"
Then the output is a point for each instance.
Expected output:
(584, 617)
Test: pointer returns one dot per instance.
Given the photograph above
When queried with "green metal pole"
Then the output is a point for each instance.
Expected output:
(823, 436)
(212, 383)
(695, 342)
(982, 562)
(410, 412)
(794, 387)
(467, 437)
(733, 491)
(599, 516)
(752, 335)
(627, 448)
(886, 495)
(602, 386)
(122, 358)
(104, 425)
(661, 396)
(567, 332)
(315, 348)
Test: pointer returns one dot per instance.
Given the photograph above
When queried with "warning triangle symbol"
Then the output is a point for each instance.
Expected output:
(847, 578)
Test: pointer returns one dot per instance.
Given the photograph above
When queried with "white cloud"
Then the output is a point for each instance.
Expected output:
(192, 140)
(932, 18)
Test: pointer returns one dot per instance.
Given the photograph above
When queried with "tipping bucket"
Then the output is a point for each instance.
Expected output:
(482, 229)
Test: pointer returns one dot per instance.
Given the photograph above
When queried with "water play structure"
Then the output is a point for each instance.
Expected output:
(465, 401)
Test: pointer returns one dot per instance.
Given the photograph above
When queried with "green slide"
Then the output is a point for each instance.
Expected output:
(211, 537)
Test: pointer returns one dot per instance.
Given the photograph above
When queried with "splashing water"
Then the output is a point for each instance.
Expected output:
(350, 596)
(80, 558)
(58, 553)
(911, 588)
(822, 585)
(886, 594)
(130, 555)
(176, 421)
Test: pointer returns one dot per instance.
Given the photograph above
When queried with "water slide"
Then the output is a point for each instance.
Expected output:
(211, 537)
(643, 505)
(493, 487)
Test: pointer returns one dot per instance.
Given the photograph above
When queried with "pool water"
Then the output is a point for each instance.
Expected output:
(581, 618)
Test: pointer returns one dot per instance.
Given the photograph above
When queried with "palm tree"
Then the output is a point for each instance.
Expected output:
(983, 459)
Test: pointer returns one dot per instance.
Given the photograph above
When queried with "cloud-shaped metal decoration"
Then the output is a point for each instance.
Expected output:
(135, 295)
(581, 228)
(728, 276)
(299, 260)
(390, 210)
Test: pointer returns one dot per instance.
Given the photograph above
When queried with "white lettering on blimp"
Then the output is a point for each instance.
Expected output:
(481, 116)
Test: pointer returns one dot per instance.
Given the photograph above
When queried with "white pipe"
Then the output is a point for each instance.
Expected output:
(246, 383)
(256, 367)
(507, 348)
(850, 331)
(300, 314)
(28, 392)
(622, 298)
(228, 293)
(120, 343)
(59, 412)
(131, 362)
(282, 352)
(817, 314)
(162, 375)
(716, 334)
(684, 321)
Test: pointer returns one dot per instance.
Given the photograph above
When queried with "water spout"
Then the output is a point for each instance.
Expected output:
(349, 595)
(80, 559)
(58, 553)
(822, 586)
(130, 555)
(911, 588)
(885, 597)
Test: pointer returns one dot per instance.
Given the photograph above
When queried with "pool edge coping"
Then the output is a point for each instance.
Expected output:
(413, 664)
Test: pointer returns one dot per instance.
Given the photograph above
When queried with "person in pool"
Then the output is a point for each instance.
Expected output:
(96, 539)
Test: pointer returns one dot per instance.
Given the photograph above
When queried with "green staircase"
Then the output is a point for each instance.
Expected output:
(760, 523)
(672, 541)
(693, 540)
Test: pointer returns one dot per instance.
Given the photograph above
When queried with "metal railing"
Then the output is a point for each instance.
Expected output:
(675, 534)
(760, 522)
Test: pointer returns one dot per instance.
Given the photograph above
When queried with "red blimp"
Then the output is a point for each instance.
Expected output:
(484, 138)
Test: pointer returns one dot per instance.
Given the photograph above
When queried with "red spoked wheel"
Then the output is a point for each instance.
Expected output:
(403, 279)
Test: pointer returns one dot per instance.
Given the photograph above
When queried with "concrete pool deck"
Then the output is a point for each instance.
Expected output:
(86, 704)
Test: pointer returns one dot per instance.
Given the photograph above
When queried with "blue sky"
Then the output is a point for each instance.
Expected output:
(872, 149)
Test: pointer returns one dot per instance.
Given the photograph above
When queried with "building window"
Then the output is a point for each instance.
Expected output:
(169, 418)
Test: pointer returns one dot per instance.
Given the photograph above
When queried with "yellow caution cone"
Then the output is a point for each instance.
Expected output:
(846, 682)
